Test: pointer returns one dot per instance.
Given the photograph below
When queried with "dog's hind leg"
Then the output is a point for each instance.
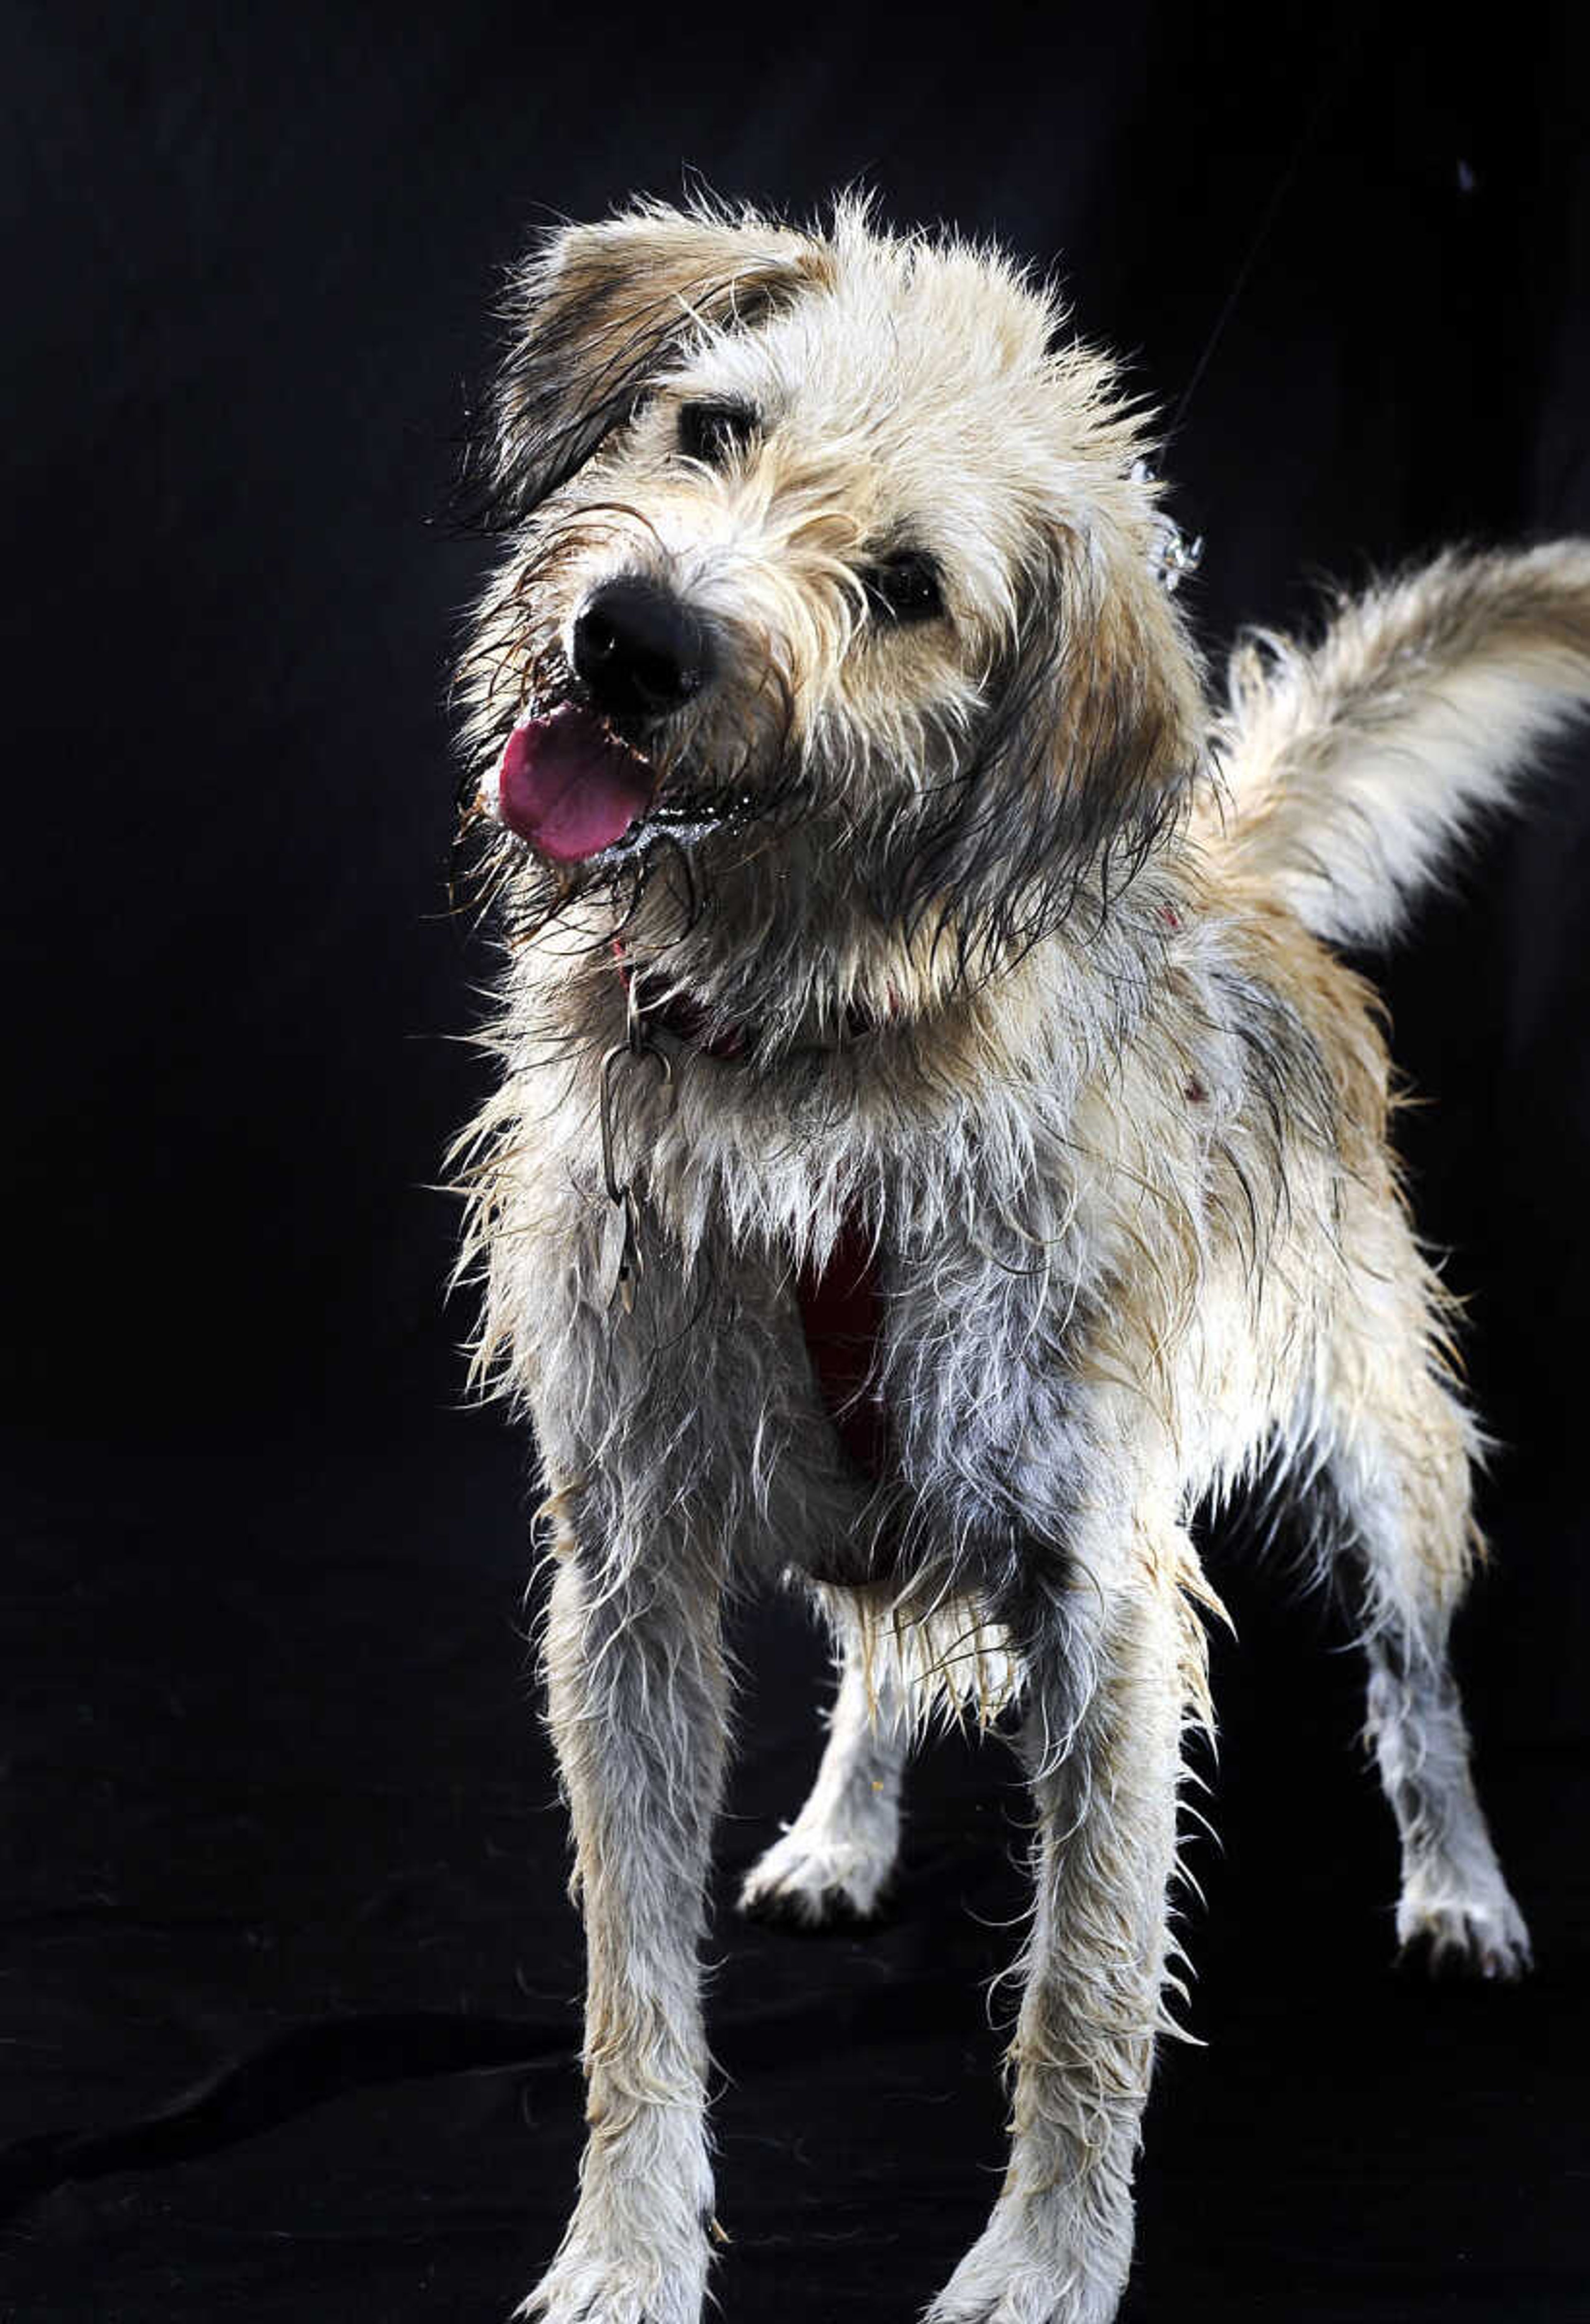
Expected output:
(1113, 1666)
(834, 1862)
(1399, 1452)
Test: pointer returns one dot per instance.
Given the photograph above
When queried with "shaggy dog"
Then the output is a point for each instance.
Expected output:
(937, 1146)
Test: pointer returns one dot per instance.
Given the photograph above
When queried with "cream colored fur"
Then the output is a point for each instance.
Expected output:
(1356, 768)
(1026, 950)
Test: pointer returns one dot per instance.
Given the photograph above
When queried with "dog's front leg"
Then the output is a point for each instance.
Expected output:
(638, 1703)
(1107, 1690)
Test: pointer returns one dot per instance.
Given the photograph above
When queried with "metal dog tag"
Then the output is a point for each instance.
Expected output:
(619, 1265)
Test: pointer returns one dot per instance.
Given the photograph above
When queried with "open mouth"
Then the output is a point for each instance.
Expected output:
(571, 789)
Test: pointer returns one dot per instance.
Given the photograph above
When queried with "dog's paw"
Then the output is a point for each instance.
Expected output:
(1464, 1936)
(1015, 2273)
(807, 1882)
(586, 2287)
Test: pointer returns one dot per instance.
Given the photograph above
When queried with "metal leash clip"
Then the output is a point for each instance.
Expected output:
(621, 1261)
(1173, 556)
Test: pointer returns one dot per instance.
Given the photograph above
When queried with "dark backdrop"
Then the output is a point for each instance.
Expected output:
(279, 1820)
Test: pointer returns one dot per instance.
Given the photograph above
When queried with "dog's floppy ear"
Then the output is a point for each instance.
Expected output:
(598, 310)
(1095, 726)
(1129, 720)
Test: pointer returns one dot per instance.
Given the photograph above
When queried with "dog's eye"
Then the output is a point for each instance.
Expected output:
(904, 587)
(714, 433)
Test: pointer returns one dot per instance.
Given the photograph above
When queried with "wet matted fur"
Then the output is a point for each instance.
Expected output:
(946, 914)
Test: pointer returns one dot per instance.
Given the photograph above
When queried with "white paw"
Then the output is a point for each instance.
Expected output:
(584, 2286)
(1018, 2273)
(1478, 1934)
(814, 1879)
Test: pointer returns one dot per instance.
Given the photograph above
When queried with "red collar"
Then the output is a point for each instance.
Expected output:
(687, 1021)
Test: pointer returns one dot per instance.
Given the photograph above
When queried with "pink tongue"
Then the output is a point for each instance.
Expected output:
(567, 787)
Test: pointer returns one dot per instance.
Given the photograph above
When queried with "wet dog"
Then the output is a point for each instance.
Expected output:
(936, 1145)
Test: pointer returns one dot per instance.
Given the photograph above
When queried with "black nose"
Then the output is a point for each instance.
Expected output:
(639, 650)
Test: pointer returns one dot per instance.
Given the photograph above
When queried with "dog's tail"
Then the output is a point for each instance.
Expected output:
(1353, 767)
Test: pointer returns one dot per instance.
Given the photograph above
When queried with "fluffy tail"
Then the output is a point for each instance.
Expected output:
(1355, 767)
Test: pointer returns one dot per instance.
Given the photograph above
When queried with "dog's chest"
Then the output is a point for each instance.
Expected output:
(949, 1359)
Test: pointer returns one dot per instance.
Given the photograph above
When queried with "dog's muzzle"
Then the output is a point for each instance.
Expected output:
(568, 785)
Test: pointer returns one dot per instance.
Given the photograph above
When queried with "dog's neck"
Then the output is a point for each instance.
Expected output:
(685, 1020)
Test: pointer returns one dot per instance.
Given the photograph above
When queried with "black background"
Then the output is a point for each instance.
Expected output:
(277, 1809)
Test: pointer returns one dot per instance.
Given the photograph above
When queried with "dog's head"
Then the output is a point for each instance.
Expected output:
(830, 589)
